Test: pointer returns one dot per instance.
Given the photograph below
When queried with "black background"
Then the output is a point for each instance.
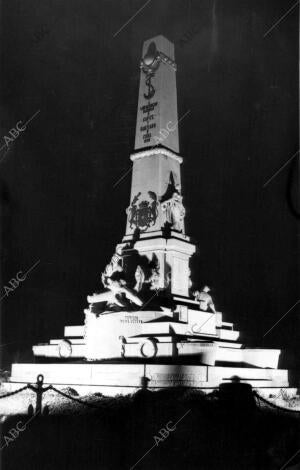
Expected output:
(58, 203)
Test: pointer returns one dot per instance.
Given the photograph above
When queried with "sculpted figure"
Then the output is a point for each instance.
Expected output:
(174, 211)
(132, 210)
(154, 280)
(190, 283)
(153, 205)
(118, 294)
(205, 300)
(139, 278)
(114, 266)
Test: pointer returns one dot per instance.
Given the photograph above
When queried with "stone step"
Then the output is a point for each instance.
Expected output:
(227, 325)
(255, 357)
(52, 350)
(206, 352)
(231, 335)
(112, 379)
(71, 340)
(229, 344)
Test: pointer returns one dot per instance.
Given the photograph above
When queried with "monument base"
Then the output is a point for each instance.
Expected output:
(125, 378)
(121, 352)
(182, 335)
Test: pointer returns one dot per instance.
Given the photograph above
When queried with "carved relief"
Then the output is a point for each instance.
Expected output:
(143, 214)
(149, 64)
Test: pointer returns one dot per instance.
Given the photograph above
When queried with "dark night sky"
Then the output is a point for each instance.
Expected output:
(58, 203)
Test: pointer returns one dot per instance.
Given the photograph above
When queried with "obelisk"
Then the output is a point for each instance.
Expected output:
(155, 218)
(157, 105)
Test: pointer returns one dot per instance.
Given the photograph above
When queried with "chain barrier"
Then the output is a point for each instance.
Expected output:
(9, 394)
(282, 408)
(91, 405)
(40, 390)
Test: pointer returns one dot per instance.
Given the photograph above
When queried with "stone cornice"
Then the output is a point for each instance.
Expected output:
(155, 152)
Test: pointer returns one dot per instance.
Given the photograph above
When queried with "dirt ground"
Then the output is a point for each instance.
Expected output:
(172, 429)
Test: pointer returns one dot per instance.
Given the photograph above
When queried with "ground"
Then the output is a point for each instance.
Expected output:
(183, 429)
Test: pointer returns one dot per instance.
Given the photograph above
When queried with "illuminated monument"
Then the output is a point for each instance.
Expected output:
(148, 321)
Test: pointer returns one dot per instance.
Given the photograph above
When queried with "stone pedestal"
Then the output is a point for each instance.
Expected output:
(115, 379)
(169, 255)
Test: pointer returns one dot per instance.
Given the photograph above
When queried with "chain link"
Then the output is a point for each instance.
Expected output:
(289, 410)
(15, 392)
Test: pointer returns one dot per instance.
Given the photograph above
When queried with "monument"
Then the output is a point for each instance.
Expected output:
(148, 321)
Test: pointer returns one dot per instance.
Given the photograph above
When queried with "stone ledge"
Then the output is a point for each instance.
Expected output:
(154, 152)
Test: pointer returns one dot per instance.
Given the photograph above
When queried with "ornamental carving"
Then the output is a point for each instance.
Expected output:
(142, 213)
(150, 63)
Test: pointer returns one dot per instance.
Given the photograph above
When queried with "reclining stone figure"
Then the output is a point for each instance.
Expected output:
(118, 294)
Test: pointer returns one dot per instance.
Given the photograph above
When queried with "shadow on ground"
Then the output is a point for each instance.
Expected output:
(210, 434)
